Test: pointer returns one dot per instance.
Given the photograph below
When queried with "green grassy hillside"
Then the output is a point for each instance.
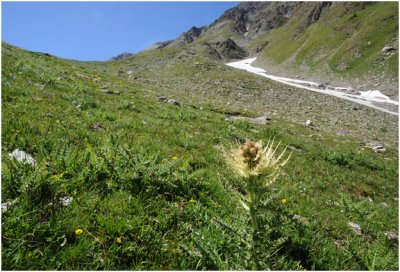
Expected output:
(149, 186)
(344, 45)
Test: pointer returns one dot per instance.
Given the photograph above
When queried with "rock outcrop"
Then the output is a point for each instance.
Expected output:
(122, 56)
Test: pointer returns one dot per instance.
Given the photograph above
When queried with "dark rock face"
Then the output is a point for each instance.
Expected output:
(225, 50)
(317, 11)
(254, 18)
(192, 34)
(187, 37)
(273, 16)
(230, 50)
(122, 56)
(242, 15)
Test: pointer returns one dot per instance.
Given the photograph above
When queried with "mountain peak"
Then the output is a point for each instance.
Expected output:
(122, 56)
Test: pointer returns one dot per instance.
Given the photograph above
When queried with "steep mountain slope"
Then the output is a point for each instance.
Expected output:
(194, 79)
(345, 43)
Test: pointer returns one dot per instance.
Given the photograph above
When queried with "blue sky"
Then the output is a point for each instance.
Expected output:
(101, 30)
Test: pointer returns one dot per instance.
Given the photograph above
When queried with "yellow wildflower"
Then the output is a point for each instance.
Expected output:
(79, 232)
(118, 240)
(192, 201)
(174, 158)
(252, 159)
(300, 267)
(283, 200)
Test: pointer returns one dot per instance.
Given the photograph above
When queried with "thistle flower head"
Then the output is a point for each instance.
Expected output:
(253, 159)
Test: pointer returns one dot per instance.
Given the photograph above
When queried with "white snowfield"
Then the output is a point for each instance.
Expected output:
(365, 98)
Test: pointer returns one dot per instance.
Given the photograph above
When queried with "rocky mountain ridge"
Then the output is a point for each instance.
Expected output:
(250, 20)
(338, 42)
(122, 56)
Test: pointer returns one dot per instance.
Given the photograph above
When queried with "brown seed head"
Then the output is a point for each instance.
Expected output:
(249, 152)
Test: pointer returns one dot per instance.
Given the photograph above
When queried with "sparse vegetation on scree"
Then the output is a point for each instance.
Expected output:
(123, 180)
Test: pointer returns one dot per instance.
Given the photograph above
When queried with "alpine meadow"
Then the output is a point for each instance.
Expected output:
(170, 159)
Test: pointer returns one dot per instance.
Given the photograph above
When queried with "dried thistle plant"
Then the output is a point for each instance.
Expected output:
(252, 159)
(260, 166)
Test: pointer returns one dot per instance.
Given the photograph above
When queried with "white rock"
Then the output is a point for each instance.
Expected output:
(387, 49)
(6, 205)
(174, 102)
(22, 156)
(309, 123)
(355, 227)
(391, 235)
(376, 146)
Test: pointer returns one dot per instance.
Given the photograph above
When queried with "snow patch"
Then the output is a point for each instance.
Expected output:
(365, 98)
(374, 95)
